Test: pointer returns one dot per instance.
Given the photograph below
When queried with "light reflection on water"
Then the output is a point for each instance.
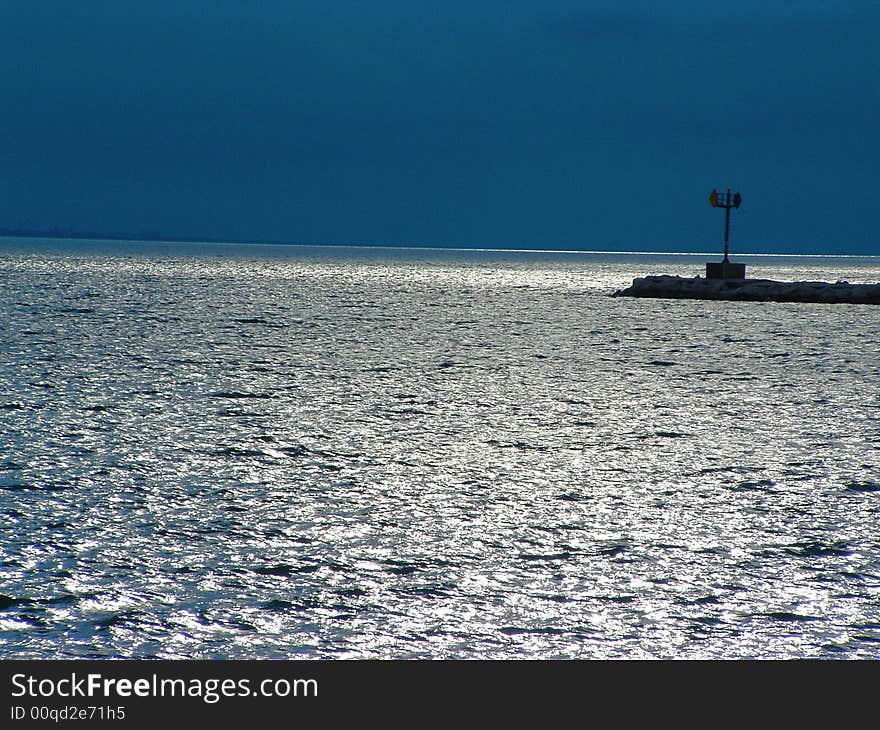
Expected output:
(295, 452)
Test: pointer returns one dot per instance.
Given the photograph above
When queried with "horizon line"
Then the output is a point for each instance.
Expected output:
(427, 247)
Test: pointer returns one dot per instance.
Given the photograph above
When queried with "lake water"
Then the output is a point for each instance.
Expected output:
(234, 451)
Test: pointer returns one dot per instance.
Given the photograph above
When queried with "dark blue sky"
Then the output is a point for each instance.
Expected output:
(551, 124)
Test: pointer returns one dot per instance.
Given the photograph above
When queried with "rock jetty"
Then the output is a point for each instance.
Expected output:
(751, 290)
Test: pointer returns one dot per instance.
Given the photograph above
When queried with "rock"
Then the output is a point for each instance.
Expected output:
(752, 290)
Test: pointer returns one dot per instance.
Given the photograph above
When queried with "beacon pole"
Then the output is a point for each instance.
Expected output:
(725, 270)
(726, 224)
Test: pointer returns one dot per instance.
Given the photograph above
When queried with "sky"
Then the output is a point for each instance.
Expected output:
(556, 124)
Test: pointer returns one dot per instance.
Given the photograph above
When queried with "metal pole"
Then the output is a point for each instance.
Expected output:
(727, 204)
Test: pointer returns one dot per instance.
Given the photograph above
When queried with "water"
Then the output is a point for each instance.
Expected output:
(263, 452)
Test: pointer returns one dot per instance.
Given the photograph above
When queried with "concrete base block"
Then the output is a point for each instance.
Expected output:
(725, 270)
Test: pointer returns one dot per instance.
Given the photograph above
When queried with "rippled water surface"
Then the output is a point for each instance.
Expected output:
(267, 452)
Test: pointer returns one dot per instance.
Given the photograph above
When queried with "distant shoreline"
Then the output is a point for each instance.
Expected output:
(139, 238)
